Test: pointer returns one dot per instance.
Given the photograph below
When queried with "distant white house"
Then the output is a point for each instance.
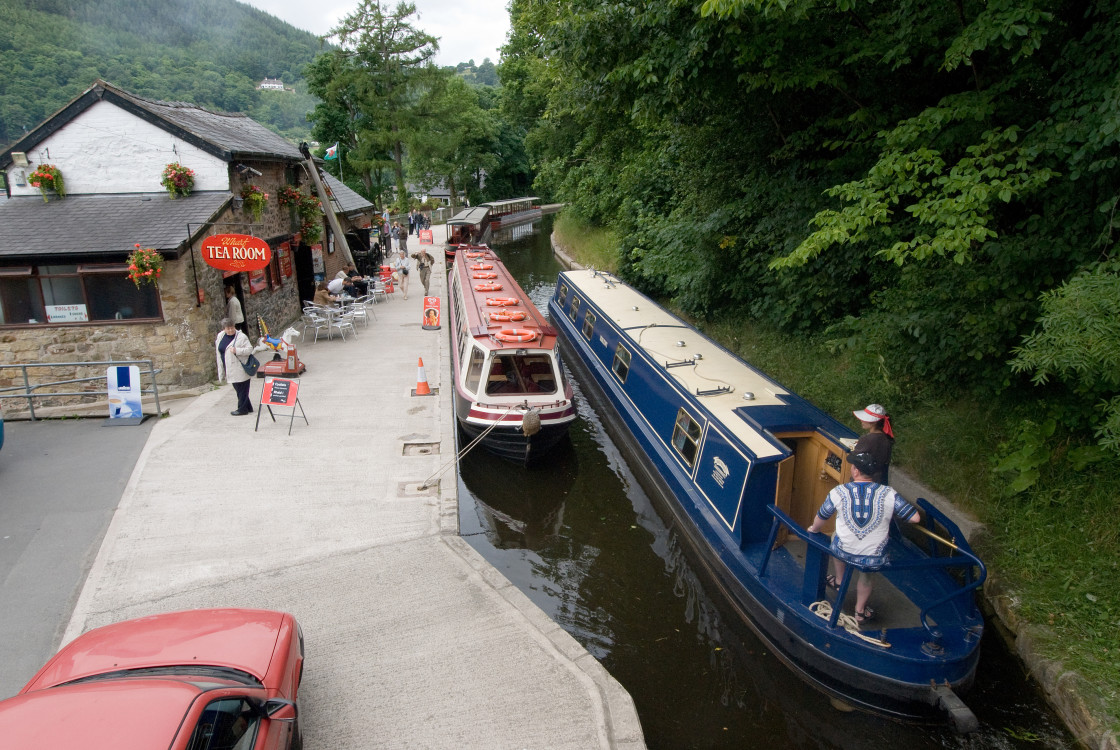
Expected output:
(271, 84)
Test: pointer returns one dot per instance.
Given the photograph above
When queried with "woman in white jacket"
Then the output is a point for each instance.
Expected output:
(231, 345)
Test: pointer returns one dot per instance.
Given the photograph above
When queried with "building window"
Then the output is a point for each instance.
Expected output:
(621, 363)
(474, 370)
(588, 324)
(575, 308)
(686, 437)
(58, 294)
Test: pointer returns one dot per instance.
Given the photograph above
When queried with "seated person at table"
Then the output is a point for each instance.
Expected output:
(336, 286)
(322, 296)
(356, 280)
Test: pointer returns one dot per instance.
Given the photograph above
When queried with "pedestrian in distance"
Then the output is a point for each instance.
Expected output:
(231, 346)
(411, 220)
(404, 241)
(401, 266)
(233, 309)
(424, 261)
(863, 510)
(879, 440)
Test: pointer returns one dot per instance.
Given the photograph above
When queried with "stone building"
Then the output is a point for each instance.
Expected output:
(65, 294)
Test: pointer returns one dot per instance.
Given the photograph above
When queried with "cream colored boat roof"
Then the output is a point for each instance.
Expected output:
(659, 333)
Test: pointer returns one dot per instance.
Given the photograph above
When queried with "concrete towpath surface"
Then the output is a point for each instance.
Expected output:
(413, 640)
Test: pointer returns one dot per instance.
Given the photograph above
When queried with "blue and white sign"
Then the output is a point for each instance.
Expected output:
(124, 392)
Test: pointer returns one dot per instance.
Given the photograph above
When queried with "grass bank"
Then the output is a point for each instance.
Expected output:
(1055, 546)
(592, 246)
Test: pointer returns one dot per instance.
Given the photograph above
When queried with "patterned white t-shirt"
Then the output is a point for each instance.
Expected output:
(864, 511)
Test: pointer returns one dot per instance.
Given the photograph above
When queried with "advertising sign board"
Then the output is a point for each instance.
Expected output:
(236, 252)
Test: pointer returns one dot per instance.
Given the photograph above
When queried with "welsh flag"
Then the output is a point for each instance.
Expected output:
(332, 152)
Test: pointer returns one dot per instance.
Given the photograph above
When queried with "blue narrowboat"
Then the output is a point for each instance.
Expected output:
(741, 465)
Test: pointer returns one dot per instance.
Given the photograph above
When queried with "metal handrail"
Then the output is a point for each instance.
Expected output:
(26, 390)
(966, 559)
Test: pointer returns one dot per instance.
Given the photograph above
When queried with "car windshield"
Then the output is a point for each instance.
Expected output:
(180, 670)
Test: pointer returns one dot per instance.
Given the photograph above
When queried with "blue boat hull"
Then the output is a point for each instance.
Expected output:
(895, 680)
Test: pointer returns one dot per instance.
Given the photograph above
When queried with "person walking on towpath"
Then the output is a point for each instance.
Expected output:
(863, 510)
(233, 309)
(424, 261)
(230, 346)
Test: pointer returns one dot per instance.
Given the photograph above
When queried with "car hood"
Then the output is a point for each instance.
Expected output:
(242, 639)
(97, 715)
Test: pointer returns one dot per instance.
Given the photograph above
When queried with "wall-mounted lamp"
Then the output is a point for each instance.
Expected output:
(19, 158)
(238, 202)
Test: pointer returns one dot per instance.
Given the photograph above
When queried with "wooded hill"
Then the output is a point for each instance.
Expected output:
(208, 52)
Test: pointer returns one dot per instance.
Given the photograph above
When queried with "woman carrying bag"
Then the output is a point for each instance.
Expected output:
(231, 346)
(401, 265)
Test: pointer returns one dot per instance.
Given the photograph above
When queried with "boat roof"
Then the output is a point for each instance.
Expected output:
(470, 215)
(753, 406)
(499, 205)
(478, 311)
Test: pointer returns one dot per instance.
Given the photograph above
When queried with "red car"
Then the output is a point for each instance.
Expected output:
(209, 679)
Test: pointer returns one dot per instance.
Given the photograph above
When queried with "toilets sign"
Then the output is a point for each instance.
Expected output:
(236, 252)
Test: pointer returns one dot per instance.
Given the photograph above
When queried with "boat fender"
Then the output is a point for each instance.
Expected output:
(502, 316)
(484, 275)
(501, 301)
(488, 287)
(531, 423)
(515, 335)
(964, 721)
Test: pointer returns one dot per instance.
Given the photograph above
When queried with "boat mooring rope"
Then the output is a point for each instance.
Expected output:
(467, 450)
(823, 609)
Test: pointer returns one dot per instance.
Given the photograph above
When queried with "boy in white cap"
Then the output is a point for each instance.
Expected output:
(879, 440)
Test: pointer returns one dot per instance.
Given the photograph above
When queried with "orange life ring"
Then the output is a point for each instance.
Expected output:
(482, 267)
(512, 315)
(501, 301)
(488, 287)
(473, 255)
(484, 275)
(515, 335)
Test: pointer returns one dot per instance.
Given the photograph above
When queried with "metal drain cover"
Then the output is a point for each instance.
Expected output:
(420, 449)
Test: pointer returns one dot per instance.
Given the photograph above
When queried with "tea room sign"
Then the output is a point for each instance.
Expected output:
(236, 252)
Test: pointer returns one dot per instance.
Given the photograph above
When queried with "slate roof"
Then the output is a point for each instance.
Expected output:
(228, 136)
(99, 225)
(347, 201)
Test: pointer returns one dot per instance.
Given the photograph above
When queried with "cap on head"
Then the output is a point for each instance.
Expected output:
(864, 462)
(872, 413)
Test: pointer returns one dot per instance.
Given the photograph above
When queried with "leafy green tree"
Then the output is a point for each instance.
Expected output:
(389, 64)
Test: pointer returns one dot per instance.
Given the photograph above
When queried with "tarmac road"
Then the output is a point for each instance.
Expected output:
(60, 482)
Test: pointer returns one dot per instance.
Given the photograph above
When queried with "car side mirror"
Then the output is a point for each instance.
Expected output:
(279, 709)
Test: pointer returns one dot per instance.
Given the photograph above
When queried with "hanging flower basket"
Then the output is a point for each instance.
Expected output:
(255, 200)
(178, 180)
(47, 177)
(144, 266)
(288, 196)
(310, 213)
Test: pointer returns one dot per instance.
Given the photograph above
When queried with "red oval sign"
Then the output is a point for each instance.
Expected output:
(236, 252)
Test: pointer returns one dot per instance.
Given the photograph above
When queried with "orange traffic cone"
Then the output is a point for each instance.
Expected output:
(422, 388)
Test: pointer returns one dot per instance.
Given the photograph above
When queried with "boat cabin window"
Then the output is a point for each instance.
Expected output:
(517, 374)
(474, 370)
(621, 363)
(575, 308)
(588, 325)
(686, 437)
(562, 294)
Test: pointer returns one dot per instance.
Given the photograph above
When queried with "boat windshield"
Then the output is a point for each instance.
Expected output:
(517, 374)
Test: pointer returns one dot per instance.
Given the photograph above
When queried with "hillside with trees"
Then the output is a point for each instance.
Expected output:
(208, 52)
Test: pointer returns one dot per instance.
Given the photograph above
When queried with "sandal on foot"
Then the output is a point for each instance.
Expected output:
(831, 582)
(864, 616)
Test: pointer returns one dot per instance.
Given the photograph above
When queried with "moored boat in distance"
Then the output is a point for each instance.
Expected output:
(513, 211)
(741, 466)
(470, 225)
(510, 391)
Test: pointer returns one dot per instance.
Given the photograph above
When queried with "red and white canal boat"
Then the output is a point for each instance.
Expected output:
(510, 393)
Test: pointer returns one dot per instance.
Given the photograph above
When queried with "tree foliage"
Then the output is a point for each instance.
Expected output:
(912, 178)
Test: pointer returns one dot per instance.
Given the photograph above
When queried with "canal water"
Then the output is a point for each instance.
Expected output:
(581, 539)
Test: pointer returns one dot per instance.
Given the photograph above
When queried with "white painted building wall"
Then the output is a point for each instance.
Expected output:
(108, 150)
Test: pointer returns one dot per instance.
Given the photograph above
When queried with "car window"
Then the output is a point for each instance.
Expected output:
(227, 724)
